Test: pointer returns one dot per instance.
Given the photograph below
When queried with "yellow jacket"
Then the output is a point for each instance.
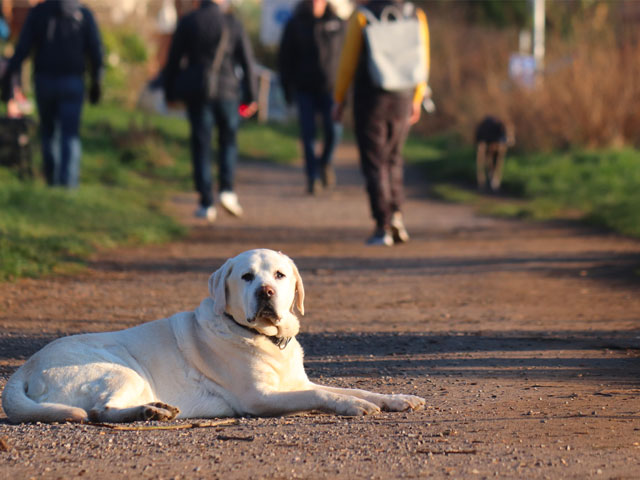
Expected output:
(352, 49)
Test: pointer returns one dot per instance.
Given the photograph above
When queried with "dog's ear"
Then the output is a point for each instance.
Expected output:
(218, 286)
(299, 299)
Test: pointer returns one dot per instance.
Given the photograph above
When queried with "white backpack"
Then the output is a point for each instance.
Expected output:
(397, 57)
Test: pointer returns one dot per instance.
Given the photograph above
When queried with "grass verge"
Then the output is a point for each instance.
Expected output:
(598, 187)
(130, 162)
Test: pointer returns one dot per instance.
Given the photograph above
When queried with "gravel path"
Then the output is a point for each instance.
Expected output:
(523, 337)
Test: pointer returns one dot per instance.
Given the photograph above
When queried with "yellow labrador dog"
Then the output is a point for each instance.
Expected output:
(236, 354)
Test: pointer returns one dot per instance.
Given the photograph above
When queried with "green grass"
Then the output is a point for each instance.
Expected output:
(125, 176)
(130, 162)
(44, 230)
(276, 143)
(599, 187)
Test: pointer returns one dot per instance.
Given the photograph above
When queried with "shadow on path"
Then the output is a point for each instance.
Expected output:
(612, 267)
(614, 356)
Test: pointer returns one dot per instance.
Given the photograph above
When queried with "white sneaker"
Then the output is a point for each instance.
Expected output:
(229, 201)
(209, 213)
(381, 238)
(398, 230)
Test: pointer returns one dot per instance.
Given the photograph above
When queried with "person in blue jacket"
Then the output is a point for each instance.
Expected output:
(65, 40)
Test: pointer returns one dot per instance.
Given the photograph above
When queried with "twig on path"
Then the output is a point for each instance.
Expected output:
(182, 426)
(249, 438)
(448, 452)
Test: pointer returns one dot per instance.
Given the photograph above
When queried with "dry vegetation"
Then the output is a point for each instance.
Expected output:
(586, 98)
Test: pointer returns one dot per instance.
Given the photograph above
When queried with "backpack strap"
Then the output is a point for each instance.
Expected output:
(368, 14)
(392, 11)
(221, 50)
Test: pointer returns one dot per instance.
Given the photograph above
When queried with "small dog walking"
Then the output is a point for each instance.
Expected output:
(493, 138)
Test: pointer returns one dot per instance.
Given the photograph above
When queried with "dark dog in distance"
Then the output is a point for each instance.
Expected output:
(493, 138)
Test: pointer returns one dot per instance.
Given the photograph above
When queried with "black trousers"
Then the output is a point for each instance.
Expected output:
(381, 126)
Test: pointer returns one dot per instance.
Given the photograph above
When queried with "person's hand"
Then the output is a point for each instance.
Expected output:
(249, 110)
(415, 113)
(95, 92)
(13, 109)
(338, 112)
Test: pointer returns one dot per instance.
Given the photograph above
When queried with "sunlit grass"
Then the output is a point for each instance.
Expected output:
(130, 162)
(600, 187)
(119, 201)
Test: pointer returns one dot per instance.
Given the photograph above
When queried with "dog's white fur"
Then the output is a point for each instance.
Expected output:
(193, 364)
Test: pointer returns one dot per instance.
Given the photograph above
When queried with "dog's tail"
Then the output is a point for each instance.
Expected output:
(20, 408)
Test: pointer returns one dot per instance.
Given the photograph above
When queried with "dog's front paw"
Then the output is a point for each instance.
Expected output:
(159, 411)
(355, 407)
(400, 403)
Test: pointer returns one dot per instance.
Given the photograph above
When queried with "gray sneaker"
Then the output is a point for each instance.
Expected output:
(398, 231)
(380, 238)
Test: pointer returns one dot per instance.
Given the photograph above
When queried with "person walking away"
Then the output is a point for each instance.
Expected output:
(197, 39)
(63, 35)
(386, 101)
(307, 61)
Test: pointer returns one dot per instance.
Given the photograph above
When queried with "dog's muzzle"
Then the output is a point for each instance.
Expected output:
(265, 296)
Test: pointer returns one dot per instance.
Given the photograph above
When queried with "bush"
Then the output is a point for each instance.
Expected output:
(126, 57)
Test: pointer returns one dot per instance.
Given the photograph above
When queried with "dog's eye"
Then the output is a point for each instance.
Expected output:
(248, 277)
(279, 275)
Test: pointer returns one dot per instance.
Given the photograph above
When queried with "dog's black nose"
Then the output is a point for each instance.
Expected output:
(266, 291)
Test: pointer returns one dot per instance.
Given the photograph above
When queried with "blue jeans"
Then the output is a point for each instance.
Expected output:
(59, 99)
(202, 118)
(309, 105)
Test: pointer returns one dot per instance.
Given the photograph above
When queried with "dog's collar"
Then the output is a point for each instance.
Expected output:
(280, 342)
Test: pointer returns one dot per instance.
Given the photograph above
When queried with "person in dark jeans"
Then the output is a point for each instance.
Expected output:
(307, 60)
(196, 40)
(63, 35)
(382, 120)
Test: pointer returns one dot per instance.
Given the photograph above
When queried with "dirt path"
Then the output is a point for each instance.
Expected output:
(524, 339)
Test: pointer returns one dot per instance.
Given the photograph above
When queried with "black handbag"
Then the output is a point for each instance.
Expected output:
(197, 81)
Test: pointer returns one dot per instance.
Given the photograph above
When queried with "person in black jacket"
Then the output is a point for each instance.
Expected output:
(63, 35)
(307, 60)
(195, 43)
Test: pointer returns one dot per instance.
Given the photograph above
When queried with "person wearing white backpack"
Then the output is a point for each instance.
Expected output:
(386, 58)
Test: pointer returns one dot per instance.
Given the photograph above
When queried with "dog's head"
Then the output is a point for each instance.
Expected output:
(260, 289)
